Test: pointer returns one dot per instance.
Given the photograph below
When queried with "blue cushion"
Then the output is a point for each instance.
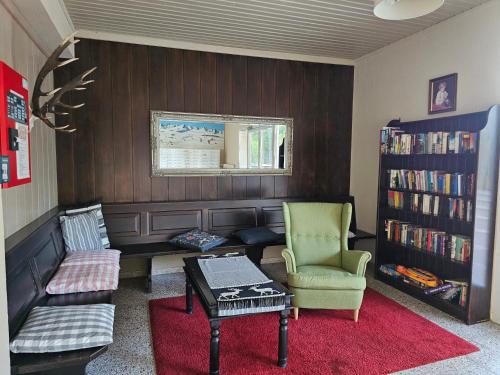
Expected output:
(257, 235)
(197, 240)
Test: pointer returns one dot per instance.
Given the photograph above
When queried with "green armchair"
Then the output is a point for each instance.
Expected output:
(322, 272)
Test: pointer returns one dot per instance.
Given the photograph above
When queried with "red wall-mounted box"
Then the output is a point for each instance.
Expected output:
(15, 147)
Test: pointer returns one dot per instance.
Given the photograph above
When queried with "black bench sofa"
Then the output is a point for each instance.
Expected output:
(141, 230)
(33, 256)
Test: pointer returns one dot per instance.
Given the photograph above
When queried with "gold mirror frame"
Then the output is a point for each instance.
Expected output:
(163, 172)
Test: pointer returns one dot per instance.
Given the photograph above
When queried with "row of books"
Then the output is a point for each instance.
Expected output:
(439, 182)
(453, 208)
(396, 141)
(452, 246)
(453, 291)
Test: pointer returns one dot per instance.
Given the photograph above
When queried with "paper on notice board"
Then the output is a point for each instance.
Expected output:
(23, 153)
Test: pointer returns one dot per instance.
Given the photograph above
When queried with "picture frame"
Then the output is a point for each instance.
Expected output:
(443, 94)
(196, 144)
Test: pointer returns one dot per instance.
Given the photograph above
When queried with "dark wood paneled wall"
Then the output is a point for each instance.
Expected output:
(108, 158)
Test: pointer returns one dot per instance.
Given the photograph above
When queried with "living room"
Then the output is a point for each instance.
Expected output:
(251, 187)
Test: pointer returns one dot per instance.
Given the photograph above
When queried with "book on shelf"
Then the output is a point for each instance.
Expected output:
(457, 293)
(438, 182)
(435, 205)
(395, 199)
(434, 241)
(395, 141)
(452, 291)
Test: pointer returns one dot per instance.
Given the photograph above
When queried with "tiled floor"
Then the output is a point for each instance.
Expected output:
(131, 352)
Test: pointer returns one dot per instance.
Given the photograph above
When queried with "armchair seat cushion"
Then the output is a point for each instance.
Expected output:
(326, 278)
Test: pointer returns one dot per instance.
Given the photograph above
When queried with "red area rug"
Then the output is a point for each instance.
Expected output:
(387, 338)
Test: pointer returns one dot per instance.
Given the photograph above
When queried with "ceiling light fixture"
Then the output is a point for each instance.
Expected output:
(404, 9)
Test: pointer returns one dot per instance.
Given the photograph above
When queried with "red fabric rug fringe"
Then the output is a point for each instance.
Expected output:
(387, 338)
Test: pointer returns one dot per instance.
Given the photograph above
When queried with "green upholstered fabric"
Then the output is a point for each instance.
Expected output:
(322, 272)
(327, 299)
(314, 232)
(325, 277)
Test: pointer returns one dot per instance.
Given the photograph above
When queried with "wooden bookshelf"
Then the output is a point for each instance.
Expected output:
(484, 164)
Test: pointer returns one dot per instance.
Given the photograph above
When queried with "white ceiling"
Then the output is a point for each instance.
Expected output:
(343, 29)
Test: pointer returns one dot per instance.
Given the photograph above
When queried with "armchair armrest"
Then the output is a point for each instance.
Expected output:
(289, 260)
(355, 261)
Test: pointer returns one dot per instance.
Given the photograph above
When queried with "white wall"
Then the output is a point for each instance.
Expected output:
(25, 203)
(393, 82)
(4, 321)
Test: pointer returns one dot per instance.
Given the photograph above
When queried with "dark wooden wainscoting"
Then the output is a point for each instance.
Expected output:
(137, 223)
(108, 158)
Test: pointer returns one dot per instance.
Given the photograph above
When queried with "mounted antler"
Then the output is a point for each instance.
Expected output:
(54, 103)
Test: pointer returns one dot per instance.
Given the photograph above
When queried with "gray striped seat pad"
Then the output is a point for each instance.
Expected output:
(81, 232)
(97, 208)
(61, 328)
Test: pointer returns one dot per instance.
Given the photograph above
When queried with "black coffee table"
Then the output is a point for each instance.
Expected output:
(196, 280)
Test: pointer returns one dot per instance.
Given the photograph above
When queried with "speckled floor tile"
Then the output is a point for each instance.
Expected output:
(131, 353)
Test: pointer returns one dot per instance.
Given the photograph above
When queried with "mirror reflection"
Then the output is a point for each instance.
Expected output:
(194, 144)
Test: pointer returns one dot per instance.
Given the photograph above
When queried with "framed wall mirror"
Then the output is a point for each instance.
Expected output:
(192, 144)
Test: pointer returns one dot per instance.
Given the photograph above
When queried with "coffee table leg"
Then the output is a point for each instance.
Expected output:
(283, 340)
(189, 296)
(214, 346)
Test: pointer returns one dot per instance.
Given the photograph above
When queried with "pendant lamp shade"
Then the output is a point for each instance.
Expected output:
(404, 9)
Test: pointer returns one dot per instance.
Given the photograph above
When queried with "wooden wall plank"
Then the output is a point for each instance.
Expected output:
(122, 122)
(84, 137)
(254, 108)
(296, 112)
(132, 80)
(64, 150)
(139, 97)
(321, 132)
(103, 123)
(340, 104)
(208, 103)
(310, 112)
(175, 103)
(158, 102)
(268, 108)
(224, 106)
(282, 110)
(239, 92)
(192, 91)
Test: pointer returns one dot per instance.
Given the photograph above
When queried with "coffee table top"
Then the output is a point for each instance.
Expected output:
(207, 299)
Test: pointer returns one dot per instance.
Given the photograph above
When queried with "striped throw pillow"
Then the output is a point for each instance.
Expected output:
(61, 328)
(97, 208)
(81, 232)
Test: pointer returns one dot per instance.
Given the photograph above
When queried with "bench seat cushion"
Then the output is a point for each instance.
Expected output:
(77, 258)
(86, 271)
(61, 328)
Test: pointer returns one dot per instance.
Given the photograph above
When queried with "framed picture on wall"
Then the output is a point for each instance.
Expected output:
(443, 94)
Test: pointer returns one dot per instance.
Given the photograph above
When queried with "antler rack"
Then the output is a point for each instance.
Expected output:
(54, 104)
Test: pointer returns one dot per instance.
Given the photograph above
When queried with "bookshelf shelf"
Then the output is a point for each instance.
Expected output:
(450, 308)
(479, 231)
(454, 226)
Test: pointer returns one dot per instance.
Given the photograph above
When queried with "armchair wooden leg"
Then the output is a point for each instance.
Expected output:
(356, 315)
(296, 313)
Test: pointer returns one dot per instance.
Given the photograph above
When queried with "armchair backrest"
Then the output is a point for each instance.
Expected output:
(317, 232)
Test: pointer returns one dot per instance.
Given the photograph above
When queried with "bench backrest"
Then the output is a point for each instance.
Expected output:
(142, 223)
(33, 256)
